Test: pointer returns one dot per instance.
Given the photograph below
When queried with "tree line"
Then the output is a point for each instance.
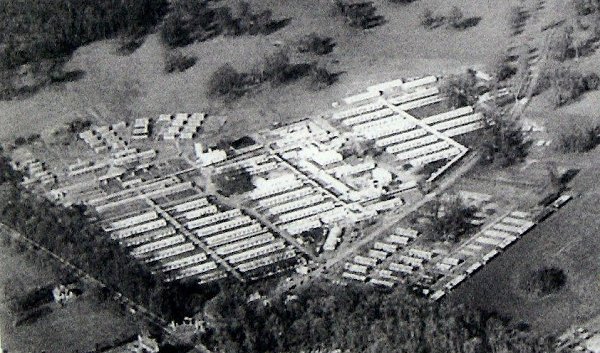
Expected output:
(196, 21)
(69, 233)
(32, 30)
(277, 69)
(325, 317)
(43, 33)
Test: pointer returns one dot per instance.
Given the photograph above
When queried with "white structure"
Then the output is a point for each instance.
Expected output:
(209, 157)
(333, 238)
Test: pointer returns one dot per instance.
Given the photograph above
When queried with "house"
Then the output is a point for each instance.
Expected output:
(145, 344)
(63, 294)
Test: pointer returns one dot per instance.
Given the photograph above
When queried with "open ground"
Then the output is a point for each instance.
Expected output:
(135, 85)
(78, 326)
(567, 240)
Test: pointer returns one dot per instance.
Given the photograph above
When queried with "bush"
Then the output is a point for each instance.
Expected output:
(561, 44)
(544, 281)
(193, 21)
(566, 84)
(502, 142)
(322, 78)
(33, 299)
(234, 182)
(177, 62)
(516, 19)
(76, 126)
(591, 81)
(578, 139)
(20, 141)
(504, 69)
(276, 67)
(34, 30)
(448, 219)
(226, 82)
(428, 20)
(586, 7)
(461, 90)
(188, 21)
(316, 44)
(358, 15)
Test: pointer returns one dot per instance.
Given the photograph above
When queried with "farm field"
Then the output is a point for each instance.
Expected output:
(78, 326)
(568, 240)
(135, 85)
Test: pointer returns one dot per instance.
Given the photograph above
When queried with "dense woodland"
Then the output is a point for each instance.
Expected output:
(359, 319)
(34, 30)
(43, 34)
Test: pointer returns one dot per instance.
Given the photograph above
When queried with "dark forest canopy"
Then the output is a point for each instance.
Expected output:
(32, 30)
(359, 319)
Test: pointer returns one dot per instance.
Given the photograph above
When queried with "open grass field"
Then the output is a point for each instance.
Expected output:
(569, 240)
(76, 327)
(135, 85)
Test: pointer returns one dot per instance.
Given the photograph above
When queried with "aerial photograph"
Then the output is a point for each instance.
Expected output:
(299, 176)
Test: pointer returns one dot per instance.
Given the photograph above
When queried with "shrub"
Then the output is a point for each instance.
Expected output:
(544, 281)
(226, 82)
(448, 219)
(461, 90)
(188, 21)
(578, 139)
(322, 78)
(566, 84)
(561, 44)
(502, 142)
(234, 182)
(20, 141)
(591, 81)
(316, 44)
(428, 20)
(516, 19)
(586, 7)
(358, 15)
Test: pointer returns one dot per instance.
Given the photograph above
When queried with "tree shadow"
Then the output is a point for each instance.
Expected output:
(275, 26)
(330, 44)
(374, 21)
(66, 76)
(128, 46)
(436, 22)
(553, 25)
(297, 71)
(32, 316)
(468, 23)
